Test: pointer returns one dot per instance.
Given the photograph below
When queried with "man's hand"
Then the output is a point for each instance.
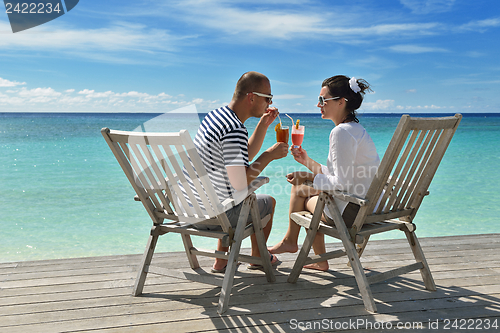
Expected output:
(278, 150)
(270, 115)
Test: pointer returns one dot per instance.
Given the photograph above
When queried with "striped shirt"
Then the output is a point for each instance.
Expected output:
(221, 141)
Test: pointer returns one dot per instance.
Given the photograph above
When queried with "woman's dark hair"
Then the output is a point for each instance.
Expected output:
(339, 86)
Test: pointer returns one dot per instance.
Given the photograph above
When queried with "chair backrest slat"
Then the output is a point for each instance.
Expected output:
(395, 180)
(423, 156)
(148, 158)
(202, 176)
(120, 150)
(156, 165)
(198, 165)
(431, 167)
(180, 179)
(142, 168)
(407, 164)
(417, 153)
(195, 180)
(131, 153)
(407, 168)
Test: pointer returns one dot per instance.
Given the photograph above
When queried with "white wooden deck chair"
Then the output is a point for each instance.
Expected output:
(155, 164)
(393, 199)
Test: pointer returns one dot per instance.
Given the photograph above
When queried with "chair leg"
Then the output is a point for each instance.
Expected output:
(303, 254)
(420, 257)
(261, 241)
(188, 245)
(352, 254)
(359, 274)
(145, 262)
(360, 248)
(308, 241)
(232, 262)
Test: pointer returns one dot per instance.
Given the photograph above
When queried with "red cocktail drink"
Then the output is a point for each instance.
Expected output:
(297, 136)
(297, 139)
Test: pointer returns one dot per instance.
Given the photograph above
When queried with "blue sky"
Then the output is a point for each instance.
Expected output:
(157, 56)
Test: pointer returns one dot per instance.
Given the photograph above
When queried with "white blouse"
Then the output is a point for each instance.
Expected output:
(351, 165)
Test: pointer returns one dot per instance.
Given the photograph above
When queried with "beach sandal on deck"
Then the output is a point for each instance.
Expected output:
(222, 270)
(274, 262)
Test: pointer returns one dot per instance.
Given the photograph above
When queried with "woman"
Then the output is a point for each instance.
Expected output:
(351, 164)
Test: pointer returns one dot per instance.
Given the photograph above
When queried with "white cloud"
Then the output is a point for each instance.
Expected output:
(288, 96)
(415, 49)
(379, 105)
(250, 24)
(48, 99)
(119, 43)
(119, 37)
(428, 6)
(227, 21)
(7, 83)
(481, 25)
(387, 30)
(39, 92)
(92, 94)
(389, 105)
(421, 108)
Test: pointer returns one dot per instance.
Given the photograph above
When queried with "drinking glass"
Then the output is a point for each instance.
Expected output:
(297, 136)
(282, 134)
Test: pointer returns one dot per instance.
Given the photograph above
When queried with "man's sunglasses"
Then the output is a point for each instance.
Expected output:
(269, 97)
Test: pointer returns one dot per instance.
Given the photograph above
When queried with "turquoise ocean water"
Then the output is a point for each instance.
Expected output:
(62, 193)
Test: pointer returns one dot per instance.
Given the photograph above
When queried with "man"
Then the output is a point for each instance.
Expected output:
(223, 145)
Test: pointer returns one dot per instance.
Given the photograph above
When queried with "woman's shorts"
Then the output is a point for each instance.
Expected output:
(349, 215)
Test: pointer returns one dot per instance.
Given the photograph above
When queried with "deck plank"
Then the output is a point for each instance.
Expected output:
(89, 294)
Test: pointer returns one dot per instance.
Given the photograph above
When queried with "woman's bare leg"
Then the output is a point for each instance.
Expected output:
(298, 197)
(319, 240)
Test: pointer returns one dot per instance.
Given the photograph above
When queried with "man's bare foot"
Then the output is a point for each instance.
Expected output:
(283, 247)
(319, 266)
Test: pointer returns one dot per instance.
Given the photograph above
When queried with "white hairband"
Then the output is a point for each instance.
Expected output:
(353, 83)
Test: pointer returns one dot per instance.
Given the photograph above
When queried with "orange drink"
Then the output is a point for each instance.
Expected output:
(282, 134)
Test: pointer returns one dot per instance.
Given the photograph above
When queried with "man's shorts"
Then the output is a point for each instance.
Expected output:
(265, 206)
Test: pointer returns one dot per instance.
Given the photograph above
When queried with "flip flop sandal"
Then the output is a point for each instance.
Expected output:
(273, 263)
(222, 270)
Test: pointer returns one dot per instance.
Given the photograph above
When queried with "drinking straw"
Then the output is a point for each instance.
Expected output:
(293, 124)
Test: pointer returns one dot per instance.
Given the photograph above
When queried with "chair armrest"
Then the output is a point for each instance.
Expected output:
(256, 183)
(239, 196)
(342, 195)
(348, 197)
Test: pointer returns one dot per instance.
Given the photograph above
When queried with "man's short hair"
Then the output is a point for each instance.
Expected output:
(249, 82)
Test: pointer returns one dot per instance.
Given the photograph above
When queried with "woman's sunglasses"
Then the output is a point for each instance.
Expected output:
(322, 100)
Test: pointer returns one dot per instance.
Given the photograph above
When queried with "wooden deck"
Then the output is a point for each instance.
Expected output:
(94, 294)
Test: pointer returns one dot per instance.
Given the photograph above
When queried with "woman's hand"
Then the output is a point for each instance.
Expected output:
(300, 155)
(298, 177)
